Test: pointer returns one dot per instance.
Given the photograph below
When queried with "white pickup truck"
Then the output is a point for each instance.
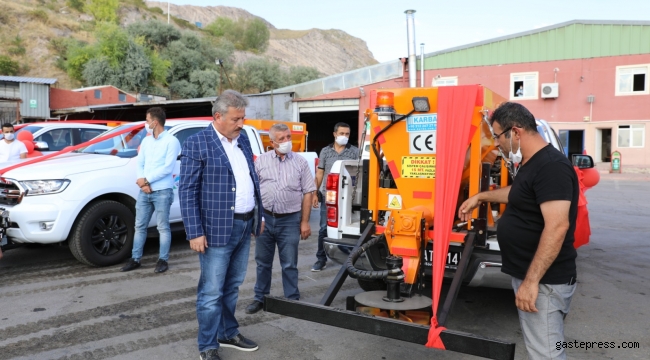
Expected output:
(344, 231)
(87, 197)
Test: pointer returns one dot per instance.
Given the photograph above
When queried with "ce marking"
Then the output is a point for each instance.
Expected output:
(427, 142)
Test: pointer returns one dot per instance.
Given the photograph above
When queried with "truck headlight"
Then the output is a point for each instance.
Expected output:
(44, 187)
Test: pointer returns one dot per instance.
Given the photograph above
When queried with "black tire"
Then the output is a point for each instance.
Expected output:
(372, 285)
(103, 234)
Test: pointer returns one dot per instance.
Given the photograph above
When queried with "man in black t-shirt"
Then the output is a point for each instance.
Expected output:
(535, 233)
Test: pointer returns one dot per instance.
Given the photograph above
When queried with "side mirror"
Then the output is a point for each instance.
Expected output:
(582, 161)
(41, 146)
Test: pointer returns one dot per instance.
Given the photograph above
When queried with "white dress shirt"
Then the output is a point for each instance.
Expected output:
(245, 189)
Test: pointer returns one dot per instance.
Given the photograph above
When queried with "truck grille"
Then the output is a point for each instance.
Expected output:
(10, 192)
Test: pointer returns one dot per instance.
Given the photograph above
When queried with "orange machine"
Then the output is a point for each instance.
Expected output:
(298, 132)
(407, 189)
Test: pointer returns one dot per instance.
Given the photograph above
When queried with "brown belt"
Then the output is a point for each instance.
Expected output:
(278, 216)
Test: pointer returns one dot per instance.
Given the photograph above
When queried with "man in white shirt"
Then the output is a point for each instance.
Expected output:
(10, 149)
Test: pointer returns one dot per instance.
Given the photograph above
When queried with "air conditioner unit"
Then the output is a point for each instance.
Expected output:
(550, 90)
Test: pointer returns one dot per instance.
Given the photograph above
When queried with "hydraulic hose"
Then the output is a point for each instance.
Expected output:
(364, 274)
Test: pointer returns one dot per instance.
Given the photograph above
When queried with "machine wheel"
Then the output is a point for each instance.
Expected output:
(103, 234)
(372, 285)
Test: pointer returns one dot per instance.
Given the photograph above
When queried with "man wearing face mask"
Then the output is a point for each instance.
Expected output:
(339, 150)
(10, 149)
(287, 186)
(156, 161)
(535, 233)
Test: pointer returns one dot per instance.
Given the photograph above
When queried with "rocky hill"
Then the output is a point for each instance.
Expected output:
(29, 30)
(330, 51)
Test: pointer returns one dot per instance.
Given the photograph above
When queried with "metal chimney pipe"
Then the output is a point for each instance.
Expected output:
(410, 32)
(422, 65)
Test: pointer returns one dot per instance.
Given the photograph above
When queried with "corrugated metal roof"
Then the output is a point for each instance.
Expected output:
(21, 79)
(569, 40)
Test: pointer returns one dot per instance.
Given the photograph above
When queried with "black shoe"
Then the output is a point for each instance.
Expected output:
(161, 266)
(319, 265)
(131, 265)
(239, 342)
(210, 354)
(254, 307)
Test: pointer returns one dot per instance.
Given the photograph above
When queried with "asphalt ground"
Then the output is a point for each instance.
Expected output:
(52, 307)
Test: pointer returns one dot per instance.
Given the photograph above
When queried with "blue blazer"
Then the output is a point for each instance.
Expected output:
(206, 189)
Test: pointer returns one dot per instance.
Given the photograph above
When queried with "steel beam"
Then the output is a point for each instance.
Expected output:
(394, 329)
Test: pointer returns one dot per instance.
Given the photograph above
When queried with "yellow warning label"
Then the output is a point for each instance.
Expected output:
(394, 202)
(419, 167)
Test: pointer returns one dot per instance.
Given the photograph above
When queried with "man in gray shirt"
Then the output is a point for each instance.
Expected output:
(287, 187)
(339, 150)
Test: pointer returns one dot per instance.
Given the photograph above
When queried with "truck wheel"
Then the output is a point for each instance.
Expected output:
(372, 285)
(103, 234)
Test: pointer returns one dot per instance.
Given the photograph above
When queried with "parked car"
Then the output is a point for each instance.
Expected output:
(59, 135)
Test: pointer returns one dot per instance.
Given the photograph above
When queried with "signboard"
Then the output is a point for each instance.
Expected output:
(425, 122)
(299, 128)
(422, 142)
(423, 167)
(616, 162)
(32, 103)
(394, 201)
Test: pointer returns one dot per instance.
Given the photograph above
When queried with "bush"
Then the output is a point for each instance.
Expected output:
(103, 10)
(157, 10)
(8, 66)
(76, 4)
(256, 36)
(38, 15)
(155, 33)
(17, 47)
(300, 74)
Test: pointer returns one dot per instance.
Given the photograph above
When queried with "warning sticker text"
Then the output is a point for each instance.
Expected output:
(419, 167)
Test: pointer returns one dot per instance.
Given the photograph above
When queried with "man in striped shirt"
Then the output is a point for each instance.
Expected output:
(287, 187)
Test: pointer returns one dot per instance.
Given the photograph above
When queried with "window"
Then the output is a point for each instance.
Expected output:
(631, 136)
(523, 85)
(445, 81)
(632, 80)
(98, 94)
(57, 139)
(185, 133)
(122, 97)
(89, 134)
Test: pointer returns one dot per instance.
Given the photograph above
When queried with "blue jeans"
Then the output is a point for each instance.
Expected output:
(285, 232)
(223, 269)
(544, 329)
(159, 201)
(322, 233)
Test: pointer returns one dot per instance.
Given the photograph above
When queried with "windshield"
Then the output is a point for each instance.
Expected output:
(32, 129)
(125, 145)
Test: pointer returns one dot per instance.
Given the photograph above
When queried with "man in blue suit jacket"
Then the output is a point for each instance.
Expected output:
(220, 202)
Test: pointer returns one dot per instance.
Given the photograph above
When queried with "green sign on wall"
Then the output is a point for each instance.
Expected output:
(616, 162)
(32, 103)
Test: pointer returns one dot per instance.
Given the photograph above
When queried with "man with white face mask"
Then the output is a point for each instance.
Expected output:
(536, 231)
(156, 161)
(10, 149)
(339, 150)
(287, 186)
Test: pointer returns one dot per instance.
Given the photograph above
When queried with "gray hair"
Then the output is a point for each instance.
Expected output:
(277, 128)
(228, 99)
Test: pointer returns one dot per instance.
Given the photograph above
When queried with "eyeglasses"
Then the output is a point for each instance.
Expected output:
(496, 137)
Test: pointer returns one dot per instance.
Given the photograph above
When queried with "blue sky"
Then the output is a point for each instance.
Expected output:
(439, 24)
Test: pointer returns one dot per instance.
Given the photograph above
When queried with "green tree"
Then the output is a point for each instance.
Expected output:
(8, 66)
(98, 71)
(156, 33)
(206, 82)
(76, 57)
(135, 70)
(300, 74)
(183, 61)
(112, 42)
(256, 36)
(183, 89)
(258, 75)
(159, 68)
(103, 10)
